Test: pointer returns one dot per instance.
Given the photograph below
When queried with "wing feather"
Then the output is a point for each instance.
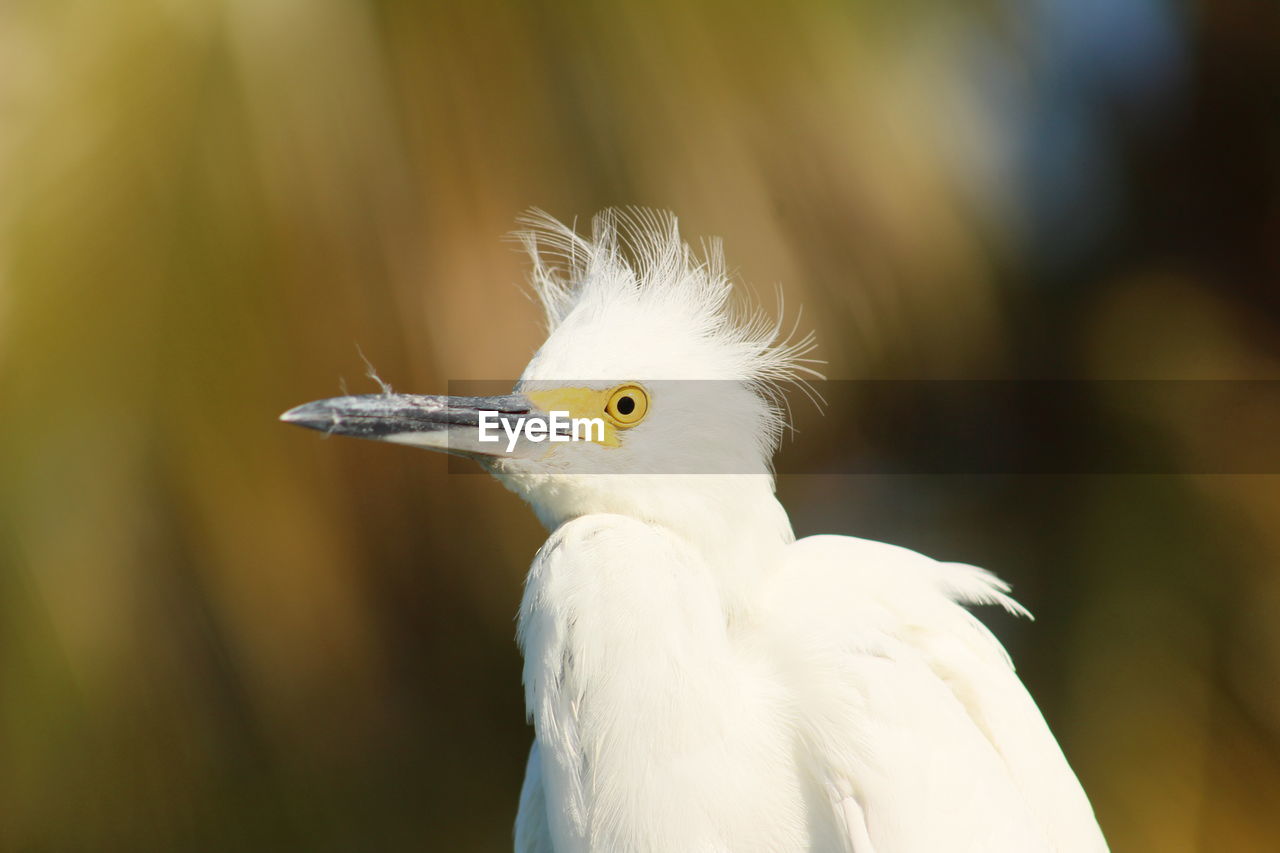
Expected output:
(916, 713)
(533, 832)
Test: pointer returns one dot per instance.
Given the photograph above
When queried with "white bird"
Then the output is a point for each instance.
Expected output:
(697, 679)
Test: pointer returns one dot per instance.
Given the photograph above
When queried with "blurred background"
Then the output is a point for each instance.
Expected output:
(217, 632)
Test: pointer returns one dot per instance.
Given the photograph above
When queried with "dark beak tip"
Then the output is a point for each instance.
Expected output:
(308, 415)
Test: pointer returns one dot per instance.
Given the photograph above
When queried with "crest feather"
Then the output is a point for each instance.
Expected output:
(637, 255)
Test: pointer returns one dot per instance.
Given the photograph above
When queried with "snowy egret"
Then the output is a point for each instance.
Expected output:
(698, 679)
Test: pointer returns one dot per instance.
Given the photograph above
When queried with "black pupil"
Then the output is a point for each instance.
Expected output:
(626, 405)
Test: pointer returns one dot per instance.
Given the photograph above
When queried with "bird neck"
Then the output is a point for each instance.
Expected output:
(734, 522)
(740, 528)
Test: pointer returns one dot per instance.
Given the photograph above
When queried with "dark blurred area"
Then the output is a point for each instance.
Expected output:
(217, 632)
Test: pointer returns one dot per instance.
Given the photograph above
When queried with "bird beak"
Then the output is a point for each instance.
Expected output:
(450, 424)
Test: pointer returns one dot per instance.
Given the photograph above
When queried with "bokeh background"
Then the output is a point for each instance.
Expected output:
(217, 632)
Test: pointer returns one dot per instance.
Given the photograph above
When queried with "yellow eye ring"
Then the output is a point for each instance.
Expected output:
(627, 406)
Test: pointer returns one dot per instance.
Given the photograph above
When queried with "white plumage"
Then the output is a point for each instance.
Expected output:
(697, 679)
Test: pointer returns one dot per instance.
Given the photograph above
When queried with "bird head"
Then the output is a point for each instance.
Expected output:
(649, 376)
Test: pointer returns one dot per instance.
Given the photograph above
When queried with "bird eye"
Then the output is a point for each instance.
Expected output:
(627, 405)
